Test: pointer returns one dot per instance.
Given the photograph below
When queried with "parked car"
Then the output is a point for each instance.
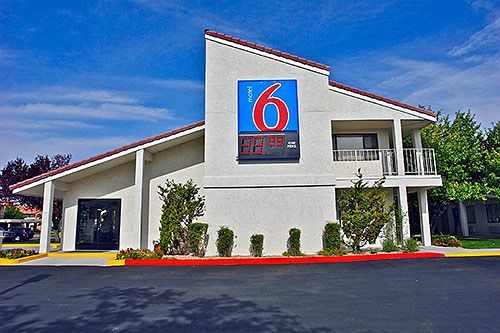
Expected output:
(8, 235)
(22, 233)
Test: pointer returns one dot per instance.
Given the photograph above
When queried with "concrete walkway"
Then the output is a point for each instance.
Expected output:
(444, 250)
(73, 259)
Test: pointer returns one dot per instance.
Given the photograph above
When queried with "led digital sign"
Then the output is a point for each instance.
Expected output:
(268, 120)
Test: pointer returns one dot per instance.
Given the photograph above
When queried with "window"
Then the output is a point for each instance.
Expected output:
(471, 214)
(355, 141)
(353, 147)
(493, 213)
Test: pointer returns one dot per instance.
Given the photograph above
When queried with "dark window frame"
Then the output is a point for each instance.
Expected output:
(362, 135)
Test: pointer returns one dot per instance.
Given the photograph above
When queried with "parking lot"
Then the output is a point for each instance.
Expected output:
(427, 295)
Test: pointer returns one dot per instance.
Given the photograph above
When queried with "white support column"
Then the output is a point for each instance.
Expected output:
(135, 242)
(398, 146)
(463, 219)
(425, 227)
(46, 227)
(403, 205)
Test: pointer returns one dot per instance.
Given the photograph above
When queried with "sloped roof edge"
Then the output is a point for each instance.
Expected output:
(381, 98)
(267, 49)
(106, 154)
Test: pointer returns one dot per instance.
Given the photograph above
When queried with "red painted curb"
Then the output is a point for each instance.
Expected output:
(278, 260)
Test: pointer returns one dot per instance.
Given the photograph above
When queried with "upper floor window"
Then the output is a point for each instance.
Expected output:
(355, 141)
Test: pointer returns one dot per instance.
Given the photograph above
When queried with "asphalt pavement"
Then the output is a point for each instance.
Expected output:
(425, 295)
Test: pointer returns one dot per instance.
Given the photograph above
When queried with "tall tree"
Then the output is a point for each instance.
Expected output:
(492, 160)
(462, 160)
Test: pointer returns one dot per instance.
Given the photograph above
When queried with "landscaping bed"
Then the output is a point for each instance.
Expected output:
(16, 256)
(272, 260)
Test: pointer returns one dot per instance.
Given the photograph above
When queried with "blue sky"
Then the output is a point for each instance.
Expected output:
(83, 77)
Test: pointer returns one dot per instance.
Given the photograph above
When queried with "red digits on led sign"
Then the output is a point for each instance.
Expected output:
(260, 105)
(258, 145)
(246, 145)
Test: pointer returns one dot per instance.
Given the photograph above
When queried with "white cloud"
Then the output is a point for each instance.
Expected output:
(65, 94)
(102, 111)
(27, 146)
(487, 37)
(178, 84)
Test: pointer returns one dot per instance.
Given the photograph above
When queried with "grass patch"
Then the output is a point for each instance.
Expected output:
(480, 243)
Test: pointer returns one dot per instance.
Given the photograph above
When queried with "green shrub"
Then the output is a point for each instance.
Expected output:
(331, 234)
(333, 252)
(225, 241)
(446, 240)
(181, 205)
(138, 254)
(16, 253)
(293, 243)
(197, 233)
(389, 245)
(410, 245)
(257, 245)
(364, 212)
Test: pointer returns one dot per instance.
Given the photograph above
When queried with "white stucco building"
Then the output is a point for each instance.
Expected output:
(110, 200)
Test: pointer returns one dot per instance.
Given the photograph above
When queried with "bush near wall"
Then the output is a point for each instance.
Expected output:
(410, 245)
(138, 254)
(257, 245)
(333, 245)
(333, 239)
(225, 242)
(293, 243)
(197, 233)
(446, 240)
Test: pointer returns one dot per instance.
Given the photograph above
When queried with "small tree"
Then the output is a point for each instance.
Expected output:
(12, 212)
(181, 205)
(364, 212)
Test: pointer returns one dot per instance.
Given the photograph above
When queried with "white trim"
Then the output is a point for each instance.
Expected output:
(109, 158)
(382, 103)
(268, 55)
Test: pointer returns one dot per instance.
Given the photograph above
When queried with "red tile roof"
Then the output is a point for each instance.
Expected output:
(381, 98)
(106, 154)
(266, 49)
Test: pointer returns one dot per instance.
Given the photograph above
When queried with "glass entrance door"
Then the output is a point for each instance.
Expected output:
(98, 224)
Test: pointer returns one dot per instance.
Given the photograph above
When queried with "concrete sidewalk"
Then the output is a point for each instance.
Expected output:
(73, 259)
(460, 252)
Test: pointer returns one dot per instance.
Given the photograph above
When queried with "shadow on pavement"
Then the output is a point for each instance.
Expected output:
(154, 310)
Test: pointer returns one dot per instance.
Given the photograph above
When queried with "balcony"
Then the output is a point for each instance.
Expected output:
(382, 162)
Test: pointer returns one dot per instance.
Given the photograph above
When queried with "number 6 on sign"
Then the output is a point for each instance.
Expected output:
(258, 111)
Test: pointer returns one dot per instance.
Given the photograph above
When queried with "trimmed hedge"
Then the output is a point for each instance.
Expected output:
(257, 245)
(225, 241)
(197, 233)
(333, 240)
(293, 243)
